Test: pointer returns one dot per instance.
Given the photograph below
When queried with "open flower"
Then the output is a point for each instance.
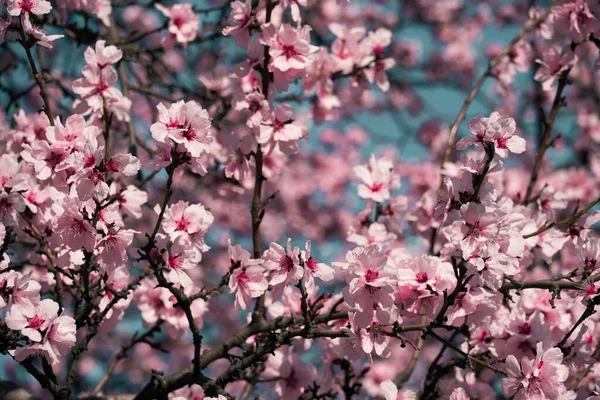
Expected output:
(37, 7)
(541, 378)
(378, 179)
(183, 22)
(496, 129)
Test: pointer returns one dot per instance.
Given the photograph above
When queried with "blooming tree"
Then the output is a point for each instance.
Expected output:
(190, 207)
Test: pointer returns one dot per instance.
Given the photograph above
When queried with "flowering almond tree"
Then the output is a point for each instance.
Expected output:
(192, 205)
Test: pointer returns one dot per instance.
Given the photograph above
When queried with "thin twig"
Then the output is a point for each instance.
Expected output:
(546, 140)
(36, 75)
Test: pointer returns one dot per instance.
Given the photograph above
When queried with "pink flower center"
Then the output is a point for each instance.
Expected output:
(178, 21)
(540, 365)
(70, 137)
(254, 106)
(78, 227)
(589, 339)
(483, 335)
(35, 322)
(96, 177)
(376, 187)
(289, 51)
(524, 329)
(102, 86)
(189, 135)
(31, 198)
(173, 124)
(54, 159)
(40, 133)
(311, 263)
(89, 161)
(371, 275)
(26, 5)
(474, 229)
(287, 263)
(242, 277)
(501, 142)
(590, 263)
(182, 224)
(591, 290)
(174, 262)
(111, 241)
(278, 125)
(422, 277)
(112, 165)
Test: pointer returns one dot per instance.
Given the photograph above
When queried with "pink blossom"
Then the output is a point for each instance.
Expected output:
(125, 164)
(376, 65)
(375, 233)
(19, 292)
(496, 129)
(97, 84)
(378, 179)
(188, 222)
(37, 7)
(103, 55)
(75, 231)
(257, 105)
(117, 280)
(114, 245)
(552, 65)
(588, 254)
(35, 197)
(131, 200)
(73, 135)
(183, 22)
(543, 377)
(178, 259)
(186, 124)
(58, 338)
(247, 279)
(421, 281)
(281, 127)
(283, 266)
(9, 165)
(575, 19)
(314, 268)
(294, 375)
(370, 284)
(32, 322)
(158, 303)
(478, 229)
(45, 159)
(35, 33)
(239, 162)
(290, 49)
(10, 205)
(239, 22)
(345, 49)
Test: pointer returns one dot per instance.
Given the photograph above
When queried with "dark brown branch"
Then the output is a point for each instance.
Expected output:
(488, 72)
(36, 75)
(566, 221)
(546, 139)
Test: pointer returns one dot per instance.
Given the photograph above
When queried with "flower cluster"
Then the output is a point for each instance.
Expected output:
(97, 89)
(199, 221)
